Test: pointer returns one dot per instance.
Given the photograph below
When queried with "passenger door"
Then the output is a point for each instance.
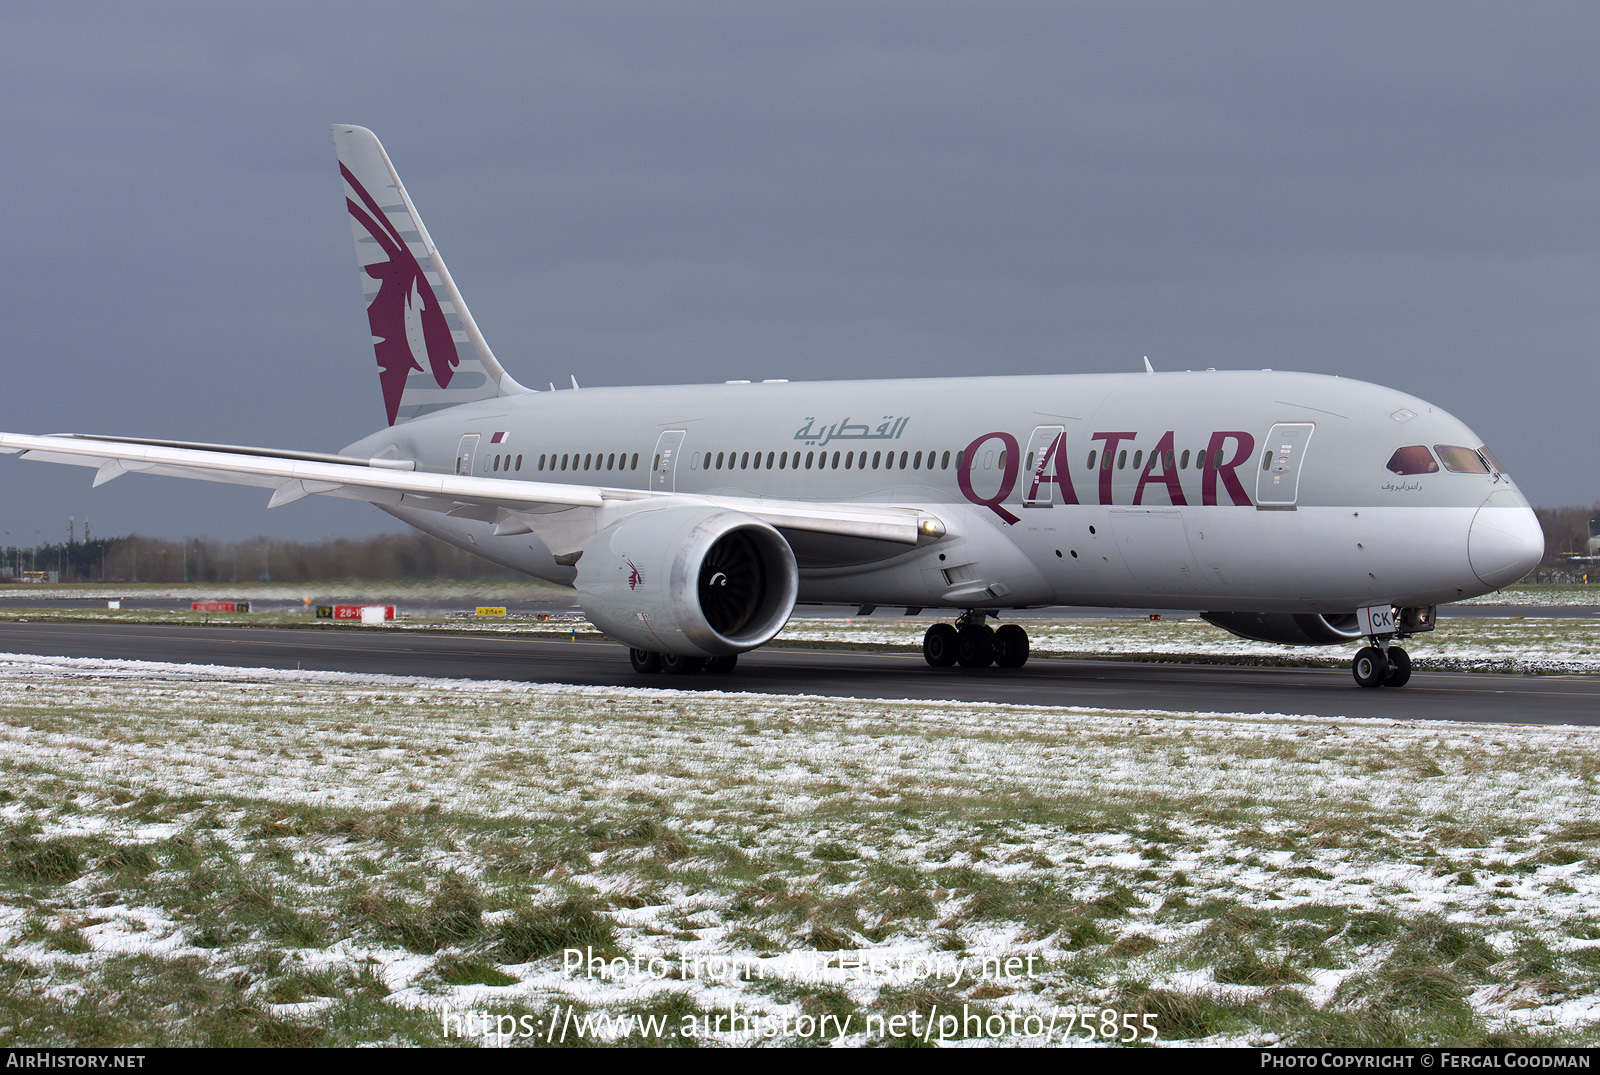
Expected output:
(1278, 477)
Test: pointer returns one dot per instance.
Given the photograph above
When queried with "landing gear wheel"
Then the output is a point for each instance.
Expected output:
(673, 665)
(939, 645)
(1370, 667)
(1010, 646)
(644, 661)
(722, 664)
(975, 646)
(1399, 668)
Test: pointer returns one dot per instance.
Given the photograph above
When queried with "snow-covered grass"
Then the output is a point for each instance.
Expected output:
(1551, 595)
(1498, 644)
(216, 856)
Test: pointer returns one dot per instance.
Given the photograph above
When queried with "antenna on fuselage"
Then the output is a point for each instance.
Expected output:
(1147, 367)
(574, 377)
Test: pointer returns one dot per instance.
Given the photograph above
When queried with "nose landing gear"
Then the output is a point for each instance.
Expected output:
(1381, 663)
(1389, 666)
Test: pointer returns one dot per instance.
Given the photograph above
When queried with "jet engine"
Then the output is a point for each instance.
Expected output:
(1291, 628)
(691, 581)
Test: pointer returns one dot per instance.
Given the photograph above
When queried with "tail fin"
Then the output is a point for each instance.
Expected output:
(430, 352)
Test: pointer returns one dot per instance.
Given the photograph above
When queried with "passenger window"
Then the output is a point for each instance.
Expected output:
(635, 461)
(519, 462)
(945, 465)
(1183, 460)
(1091, 459)
(1459, 460)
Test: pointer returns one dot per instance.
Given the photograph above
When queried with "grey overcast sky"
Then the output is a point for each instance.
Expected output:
(634, 193)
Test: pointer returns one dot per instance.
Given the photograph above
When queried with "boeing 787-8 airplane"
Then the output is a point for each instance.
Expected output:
(692, 519)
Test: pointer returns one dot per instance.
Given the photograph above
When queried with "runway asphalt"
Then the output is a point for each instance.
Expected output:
(1128, 685)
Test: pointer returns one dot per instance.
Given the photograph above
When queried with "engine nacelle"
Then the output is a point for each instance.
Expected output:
(691, 581)
(1291, 628)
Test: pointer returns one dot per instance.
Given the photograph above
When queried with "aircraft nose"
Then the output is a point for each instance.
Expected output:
(1505, 542)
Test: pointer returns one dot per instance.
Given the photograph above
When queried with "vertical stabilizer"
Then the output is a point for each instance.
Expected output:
(430, 352)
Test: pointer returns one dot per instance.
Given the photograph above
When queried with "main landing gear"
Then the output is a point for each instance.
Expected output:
(1381, 664)
(972, 643)
(644, 660)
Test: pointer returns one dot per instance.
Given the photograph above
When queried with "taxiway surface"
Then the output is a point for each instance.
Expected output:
(1479, 697)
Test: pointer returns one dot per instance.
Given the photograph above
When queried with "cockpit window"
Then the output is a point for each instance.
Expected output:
(1488, 457)
(1413, 459)
(1459, 460)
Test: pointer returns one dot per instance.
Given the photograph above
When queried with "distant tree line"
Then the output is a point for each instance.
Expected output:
(1566, 530)
(136, 558)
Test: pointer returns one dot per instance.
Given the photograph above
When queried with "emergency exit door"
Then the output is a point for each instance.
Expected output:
(465, 452)
(664, 470)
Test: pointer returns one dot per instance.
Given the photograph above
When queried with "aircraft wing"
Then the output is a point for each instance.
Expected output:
(514, 506)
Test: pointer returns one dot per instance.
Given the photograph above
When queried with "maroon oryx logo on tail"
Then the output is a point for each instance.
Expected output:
(404, 304)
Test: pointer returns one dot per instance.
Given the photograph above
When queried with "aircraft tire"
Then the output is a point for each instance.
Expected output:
(1369, 667)
(1010, 646)
(722, 664)
(673, 665)
(644, 660)
(939, 645)
(1399, 668)
(975, 646)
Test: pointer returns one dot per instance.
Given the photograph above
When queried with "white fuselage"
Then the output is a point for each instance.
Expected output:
(1263, 490)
